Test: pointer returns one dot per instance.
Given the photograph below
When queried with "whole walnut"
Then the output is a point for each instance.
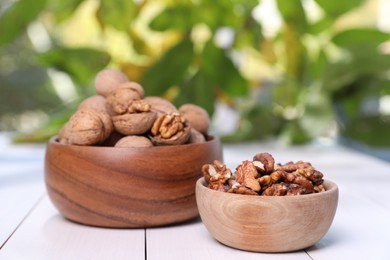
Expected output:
(107, 80)
(196, 116)
(86, 127)
(160, 105)
(120, 99)
(96, 103)
(196, 137)
(135, 123)
(134, 141)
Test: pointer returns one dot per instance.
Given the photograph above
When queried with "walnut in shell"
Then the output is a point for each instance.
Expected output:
(86, 127)
(134, 141)
(107, 80)
(121, 98)
(134, 124)
(196, 116)
(196, 137)
(160, 105)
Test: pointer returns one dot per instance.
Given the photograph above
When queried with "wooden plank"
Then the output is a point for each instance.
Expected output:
(192, 241)
(21, 186)
(47, 235)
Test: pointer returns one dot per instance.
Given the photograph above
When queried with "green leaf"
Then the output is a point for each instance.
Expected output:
(360, 37)
(293, 133)
(17, 17)
(318, 67)
(221, 71)
(321, 25)
(81, 64)
(293, 14)
(337, 8)
(63, 9)
(371, 130)
(199, 91)
(178, 17)
(117, 13)
(169, 70)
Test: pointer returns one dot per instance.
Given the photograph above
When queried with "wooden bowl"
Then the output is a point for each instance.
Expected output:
(126, 187)
(267, 224)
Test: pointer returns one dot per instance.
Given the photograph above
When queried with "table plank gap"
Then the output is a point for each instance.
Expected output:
(21, 222)
(45, 234)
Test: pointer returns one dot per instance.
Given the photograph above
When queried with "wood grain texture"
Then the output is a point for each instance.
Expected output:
(267, 224)
(126, 187)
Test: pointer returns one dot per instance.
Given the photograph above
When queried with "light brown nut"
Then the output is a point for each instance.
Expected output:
(246, 174)
(217, 172)
(160, 105)
(196, 116)
(134, 124)
(96, 103)
(267, 161)
(121, 98)
(170, 129)
(196, 137)
(134, 141)
(107, 80)
(85, 127)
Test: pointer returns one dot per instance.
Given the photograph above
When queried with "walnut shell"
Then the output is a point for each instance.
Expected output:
(134, 124)
(160, 105)
(196, 116)
(196, 137)
(85, 127)
(107, 80)
(121, 98)
(96, 103)
(134, 141)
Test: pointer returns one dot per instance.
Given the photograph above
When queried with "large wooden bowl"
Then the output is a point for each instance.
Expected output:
(267, 224)
(126, 187)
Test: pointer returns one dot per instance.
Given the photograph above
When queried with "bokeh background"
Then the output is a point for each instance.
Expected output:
(297, 71)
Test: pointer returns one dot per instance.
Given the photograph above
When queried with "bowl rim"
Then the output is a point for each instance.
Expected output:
(210, 139)
(333, 188)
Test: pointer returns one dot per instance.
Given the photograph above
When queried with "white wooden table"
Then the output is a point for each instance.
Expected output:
(31, 228)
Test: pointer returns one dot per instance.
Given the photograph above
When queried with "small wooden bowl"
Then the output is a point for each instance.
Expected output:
(267, 224)
(126, 187)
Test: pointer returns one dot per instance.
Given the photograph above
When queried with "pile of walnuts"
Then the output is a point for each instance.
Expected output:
(120, 115)
(262, 176)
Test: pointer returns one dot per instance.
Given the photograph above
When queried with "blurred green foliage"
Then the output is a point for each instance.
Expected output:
(322, 77)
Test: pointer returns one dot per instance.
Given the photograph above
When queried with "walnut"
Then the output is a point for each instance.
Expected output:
(242, 190)
(246, 175)
(134, 141)
(137, 120)
(263, 177)
(86, 127)
(196, 137)
(134, 124)
(107, 80)
(160, 105)
(264, 162)
(217, 175)
(170, 129)
(197, 117)
(121, 98)
(96, 103)
(277, 189)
